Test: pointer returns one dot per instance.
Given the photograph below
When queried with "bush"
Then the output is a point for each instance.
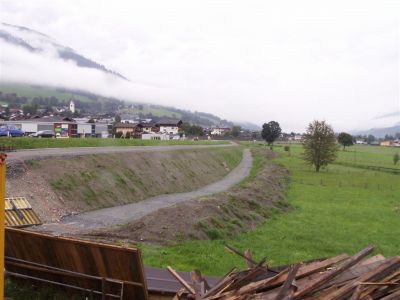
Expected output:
(214, 234)
(118, 134)
(396, 158)
(286, 148)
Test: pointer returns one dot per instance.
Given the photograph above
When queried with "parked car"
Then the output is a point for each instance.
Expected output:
(11, 131)
(44, 134)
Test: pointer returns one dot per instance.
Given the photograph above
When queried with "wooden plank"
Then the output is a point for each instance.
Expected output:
(392, 296)
(234, 251)
(85, 257)
(332, 274)
(383, 270)
(181, 280)
(219, 285)
(287, 287)
(305, 270)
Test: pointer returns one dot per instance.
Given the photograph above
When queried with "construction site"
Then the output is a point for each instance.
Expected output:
(57, 234)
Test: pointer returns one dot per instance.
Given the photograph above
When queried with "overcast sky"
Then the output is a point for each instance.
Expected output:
(289, 61)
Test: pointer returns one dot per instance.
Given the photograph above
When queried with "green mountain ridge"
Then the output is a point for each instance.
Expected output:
(94, 104)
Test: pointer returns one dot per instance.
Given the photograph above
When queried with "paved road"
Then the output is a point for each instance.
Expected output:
(49, 152)
(127, 213)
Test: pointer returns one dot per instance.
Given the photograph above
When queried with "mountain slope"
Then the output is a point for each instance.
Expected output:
(34, 41)
(92, 103)
(380, 132)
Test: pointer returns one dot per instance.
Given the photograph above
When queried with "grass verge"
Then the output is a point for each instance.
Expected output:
(34, 143)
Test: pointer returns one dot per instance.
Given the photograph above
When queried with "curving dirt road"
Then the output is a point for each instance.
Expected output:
(123, 214)
(48, 152)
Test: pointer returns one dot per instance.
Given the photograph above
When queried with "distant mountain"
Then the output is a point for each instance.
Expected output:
(35, 41)
(91, 103)
(380, 132)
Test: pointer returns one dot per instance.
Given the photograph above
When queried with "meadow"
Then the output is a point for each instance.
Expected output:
(341, 209)
(34, 143)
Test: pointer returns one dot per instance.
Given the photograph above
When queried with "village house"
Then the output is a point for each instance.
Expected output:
(128, 129)
(220, 130)
(395, 143)
(295, 138)
(169, 126)
(149, 127)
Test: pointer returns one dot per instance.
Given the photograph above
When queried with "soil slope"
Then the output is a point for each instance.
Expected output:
(217, 216)
(60, 186)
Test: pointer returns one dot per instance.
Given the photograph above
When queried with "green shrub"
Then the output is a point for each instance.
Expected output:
(214, 234)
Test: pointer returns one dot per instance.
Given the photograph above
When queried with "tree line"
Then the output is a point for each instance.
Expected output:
(320, 143)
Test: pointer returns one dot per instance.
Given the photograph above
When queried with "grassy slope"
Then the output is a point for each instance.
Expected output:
(33, 143)
(24, 90)
(341, 209)
(104, 181)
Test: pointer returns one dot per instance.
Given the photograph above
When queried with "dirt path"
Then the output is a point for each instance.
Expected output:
(132, 212)
(48, 152)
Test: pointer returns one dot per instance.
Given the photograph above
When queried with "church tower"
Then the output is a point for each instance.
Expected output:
(72, 105)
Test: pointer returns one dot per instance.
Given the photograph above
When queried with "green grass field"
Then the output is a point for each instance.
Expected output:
(33, 143)
(340, 209)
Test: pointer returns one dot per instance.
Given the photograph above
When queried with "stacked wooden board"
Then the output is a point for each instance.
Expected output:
(19, 213)
(360, 277)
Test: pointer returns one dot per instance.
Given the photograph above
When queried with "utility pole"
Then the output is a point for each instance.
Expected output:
(2, 211)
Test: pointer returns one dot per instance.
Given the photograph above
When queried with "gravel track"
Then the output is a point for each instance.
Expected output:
(131, 212)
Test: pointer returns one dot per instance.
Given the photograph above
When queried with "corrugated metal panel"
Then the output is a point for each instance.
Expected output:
(19, 213)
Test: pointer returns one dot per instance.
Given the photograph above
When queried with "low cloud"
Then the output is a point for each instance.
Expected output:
(291, 62)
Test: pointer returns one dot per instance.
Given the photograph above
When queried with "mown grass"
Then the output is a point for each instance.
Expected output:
(34, 143)
(359, 156)
(340, 209)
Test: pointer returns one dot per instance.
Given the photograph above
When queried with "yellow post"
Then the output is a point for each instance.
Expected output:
(2, 211)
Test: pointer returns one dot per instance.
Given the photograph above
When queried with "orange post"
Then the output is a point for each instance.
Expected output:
(2, 211)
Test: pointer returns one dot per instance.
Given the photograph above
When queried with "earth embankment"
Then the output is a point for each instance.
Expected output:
(63, 185)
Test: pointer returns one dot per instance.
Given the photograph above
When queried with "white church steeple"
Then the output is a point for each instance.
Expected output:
(72, 105)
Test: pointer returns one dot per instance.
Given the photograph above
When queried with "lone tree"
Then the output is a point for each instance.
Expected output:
(396, 158)
(345, 140)
(319, 144)
(270, 132)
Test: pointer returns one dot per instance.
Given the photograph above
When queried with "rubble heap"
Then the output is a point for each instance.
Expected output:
(360, 277)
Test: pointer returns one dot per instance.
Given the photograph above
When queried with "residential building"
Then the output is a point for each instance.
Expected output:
(220, 130)
(169, 126)
(128, 129)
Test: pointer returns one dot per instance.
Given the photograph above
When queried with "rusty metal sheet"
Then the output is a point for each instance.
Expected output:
(19, 213)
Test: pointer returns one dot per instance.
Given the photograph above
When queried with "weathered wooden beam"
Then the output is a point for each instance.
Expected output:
(237, 252)
(287, 287)
(332, 274)
(181, 280)
(385, 269)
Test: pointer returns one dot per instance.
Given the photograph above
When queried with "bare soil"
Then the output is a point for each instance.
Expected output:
(60, 186)
(221, 215)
